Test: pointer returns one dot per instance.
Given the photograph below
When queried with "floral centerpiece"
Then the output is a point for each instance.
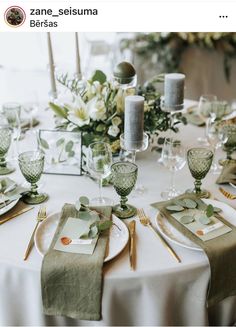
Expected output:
(97, 109)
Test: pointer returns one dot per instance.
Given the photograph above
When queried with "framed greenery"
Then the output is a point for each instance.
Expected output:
(63, 151)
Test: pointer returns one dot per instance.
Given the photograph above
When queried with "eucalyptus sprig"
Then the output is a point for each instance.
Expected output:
(97, 226)
(183, 204)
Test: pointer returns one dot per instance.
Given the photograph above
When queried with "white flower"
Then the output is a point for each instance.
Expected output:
(93, 89)
(97, 109)
(116, 121)
(78, 113)
(113, 130)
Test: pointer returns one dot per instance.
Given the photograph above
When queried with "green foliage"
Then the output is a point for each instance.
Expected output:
(99, 76)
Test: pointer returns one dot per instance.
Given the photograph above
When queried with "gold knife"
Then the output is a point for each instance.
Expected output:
(132, 245)
(15, 215)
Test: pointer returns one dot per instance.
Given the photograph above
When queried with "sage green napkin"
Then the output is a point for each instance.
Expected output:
(10, 191)
(72, 283)
(228, 174)
(221, 253)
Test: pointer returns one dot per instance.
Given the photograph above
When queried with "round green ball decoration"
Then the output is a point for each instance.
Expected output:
(124, 72)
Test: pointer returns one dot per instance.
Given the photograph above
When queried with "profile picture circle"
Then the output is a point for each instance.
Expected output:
(15, 16)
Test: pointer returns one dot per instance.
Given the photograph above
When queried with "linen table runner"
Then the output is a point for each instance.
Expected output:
(72, 283)
(221, 253)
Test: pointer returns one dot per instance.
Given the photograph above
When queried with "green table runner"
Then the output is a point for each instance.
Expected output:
(72, 283)
(221, 253)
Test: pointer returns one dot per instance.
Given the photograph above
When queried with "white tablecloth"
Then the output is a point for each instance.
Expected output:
(159, 292)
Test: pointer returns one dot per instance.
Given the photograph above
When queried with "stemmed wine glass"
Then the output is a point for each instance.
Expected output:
(173, 155)
(199, 162)
(139, 147)
(12, 113)
(205, 107)
(99, 161)
(5, 142)
(216, 137)
(229, 132)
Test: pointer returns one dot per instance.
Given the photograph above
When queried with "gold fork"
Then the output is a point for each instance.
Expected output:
(40, 217)
(227, 194)
(146, 222)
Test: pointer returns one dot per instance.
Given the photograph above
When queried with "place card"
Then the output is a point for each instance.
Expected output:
(73, 229)
(195, 226)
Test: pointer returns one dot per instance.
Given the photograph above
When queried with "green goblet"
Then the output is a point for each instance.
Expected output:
(31, 165)
(199, 162)
(5, 142)
(229, 132)
(124, 176)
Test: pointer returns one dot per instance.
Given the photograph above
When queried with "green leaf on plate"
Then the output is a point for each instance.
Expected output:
(84, 200)
(175, 208)
(209, 210)
(205, 220)
(186, 219)
(104, 225)
(93, 231)
(190, 204)
(179, 202)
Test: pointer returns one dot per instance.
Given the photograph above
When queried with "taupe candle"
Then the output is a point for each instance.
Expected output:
(77, 55)
(174, 90)
(134, 122)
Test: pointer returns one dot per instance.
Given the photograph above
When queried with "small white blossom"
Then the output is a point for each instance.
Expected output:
(97, 109)
(113, 130)
(116, 121)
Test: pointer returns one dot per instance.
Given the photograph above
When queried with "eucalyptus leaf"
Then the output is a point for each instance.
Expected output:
(179, 202)
(69, 146)
(205, 220)
(209, 210)
(85, 215)
(190, 204)
(93, 232)
(44, 143)
(60, 142)
(104, 225)
(186, 219)
(84, 201)
(71, 154)
(99, 76)
(175, 208)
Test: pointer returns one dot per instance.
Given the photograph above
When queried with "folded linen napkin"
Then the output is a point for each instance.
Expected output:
(71, 282)
(9, 191)
(228, 174)
(221, 253)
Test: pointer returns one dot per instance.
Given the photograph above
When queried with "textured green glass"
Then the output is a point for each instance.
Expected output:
(12, 113)
(31, 165)
(124, 176)
(199, 162)
(230, 144)
(5, 142)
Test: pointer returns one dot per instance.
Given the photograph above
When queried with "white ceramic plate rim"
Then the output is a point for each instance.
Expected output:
(8, 207)
(110, 255)
(195, 247)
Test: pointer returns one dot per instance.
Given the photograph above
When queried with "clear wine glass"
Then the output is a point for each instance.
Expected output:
(204, 108)
(12, 112)
(173, 154)
(99, 161)
(140, 147)
(216, 138)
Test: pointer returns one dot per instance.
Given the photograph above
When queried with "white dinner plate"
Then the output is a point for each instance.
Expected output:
(8, 207)
(45, 232)
(173, 235)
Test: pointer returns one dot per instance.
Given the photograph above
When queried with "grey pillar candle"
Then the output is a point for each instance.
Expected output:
(174, 90)
(77, 55)
(134, 122)
(51, 66)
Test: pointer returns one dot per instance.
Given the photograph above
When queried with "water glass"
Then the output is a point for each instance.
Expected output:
(5, 142)
(199, 162)
(205, 107)
(124, 176)
(99, 161)
(31, 165)
(12, 112)
(173, 155)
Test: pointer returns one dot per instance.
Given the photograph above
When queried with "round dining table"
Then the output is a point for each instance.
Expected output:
(160, 291)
